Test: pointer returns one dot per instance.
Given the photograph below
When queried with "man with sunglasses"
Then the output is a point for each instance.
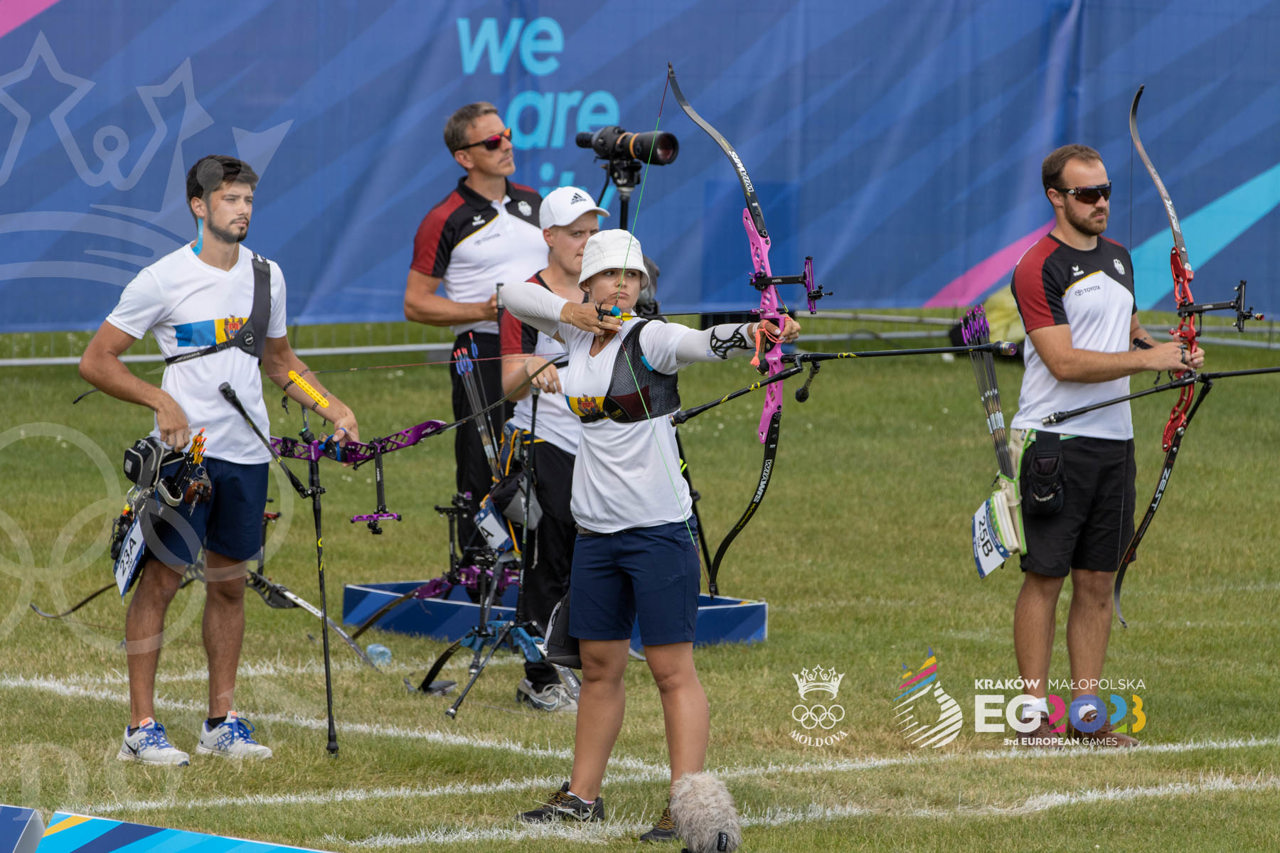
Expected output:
(1074, 290)
(485, 232)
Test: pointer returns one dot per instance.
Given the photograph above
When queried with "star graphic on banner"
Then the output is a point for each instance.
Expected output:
(111, 143)
(41, 53)
(173, 215)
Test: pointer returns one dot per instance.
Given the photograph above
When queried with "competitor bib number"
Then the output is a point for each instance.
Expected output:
(996, 536)
(126, 568)
(988, 553)
(490, 524)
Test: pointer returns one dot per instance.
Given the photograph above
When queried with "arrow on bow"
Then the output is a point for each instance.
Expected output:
(768, 357)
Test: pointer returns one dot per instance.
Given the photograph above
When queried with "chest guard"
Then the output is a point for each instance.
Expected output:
(637, 392)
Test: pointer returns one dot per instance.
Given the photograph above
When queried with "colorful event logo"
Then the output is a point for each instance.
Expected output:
(914, 711)
(1124, 715)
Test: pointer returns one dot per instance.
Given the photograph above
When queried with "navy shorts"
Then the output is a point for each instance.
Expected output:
(1095, 524)
(649, 574)
(230, 523)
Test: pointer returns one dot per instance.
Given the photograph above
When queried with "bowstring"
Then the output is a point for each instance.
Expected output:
(653, 430)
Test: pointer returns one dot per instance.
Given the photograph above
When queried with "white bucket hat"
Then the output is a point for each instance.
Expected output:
(614, 249)
(564, 205)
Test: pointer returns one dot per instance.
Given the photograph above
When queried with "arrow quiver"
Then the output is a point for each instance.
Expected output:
(144, 464)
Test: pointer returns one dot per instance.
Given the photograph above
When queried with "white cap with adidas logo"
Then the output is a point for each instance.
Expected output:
(564, 205)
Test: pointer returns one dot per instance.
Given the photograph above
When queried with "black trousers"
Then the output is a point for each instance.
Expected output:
(546, 574)
(473, 472)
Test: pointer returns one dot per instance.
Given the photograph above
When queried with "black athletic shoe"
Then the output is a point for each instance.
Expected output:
(565, 806)
(663, 830)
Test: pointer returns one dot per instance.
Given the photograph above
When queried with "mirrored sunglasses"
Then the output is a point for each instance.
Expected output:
(491, 143)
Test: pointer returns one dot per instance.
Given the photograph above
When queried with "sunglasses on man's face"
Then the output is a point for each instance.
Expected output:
(490, 143)
(1089, 195)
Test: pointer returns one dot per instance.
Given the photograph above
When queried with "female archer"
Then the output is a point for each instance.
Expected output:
(635, 558)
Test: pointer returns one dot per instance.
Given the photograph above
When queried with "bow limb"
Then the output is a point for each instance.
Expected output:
(1170, 457)
(768, 352)
(1180, 267)
(1188, 402)
(758, 243)
(357, 453)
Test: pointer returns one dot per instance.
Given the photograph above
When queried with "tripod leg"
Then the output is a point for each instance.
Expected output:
(281, 597)
(452, 712)
(74, 607)
(489, 591)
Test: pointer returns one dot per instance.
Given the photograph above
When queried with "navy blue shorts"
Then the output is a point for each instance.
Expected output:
(650, 574)
(229, 524)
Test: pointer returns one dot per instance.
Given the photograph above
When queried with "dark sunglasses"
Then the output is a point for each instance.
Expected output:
(492, 143)
(1089, 195)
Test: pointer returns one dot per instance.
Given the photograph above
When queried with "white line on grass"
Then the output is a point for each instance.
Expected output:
(347, 795)
(1032, 805)
(247, 670)
(61, 687)
(601, 833)
(260, 669)
(643, 774)
(636, 771)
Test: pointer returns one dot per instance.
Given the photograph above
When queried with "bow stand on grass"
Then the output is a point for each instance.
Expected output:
(768, 358)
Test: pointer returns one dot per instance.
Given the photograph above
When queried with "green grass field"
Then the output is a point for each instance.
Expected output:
(861, 550)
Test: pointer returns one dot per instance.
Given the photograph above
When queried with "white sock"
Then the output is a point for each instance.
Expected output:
(572, 794)
(1039, 706)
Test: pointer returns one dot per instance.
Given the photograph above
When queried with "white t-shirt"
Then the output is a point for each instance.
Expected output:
(504, 250)
(1092, 293)
(627, 474)
(189, 305)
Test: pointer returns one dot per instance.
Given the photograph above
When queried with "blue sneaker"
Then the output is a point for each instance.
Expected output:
(149, 745)
(233, 738)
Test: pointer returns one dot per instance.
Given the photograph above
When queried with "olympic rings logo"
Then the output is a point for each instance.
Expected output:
(79, 547)
(818, 715)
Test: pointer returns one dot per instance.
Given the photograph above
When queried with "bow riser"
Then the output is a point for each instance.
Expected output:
(769, 309)
(356, 453)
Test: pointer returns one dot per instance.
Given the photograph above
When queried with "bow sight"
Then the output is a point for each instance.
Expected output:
(1236, 305)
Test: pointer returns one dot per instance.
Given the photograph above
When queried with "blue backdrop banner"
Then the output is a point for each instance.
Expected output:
(899, 144)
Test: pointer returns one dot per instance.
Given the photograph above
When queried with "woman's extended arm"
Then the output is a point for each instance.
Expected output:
(728, 339)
